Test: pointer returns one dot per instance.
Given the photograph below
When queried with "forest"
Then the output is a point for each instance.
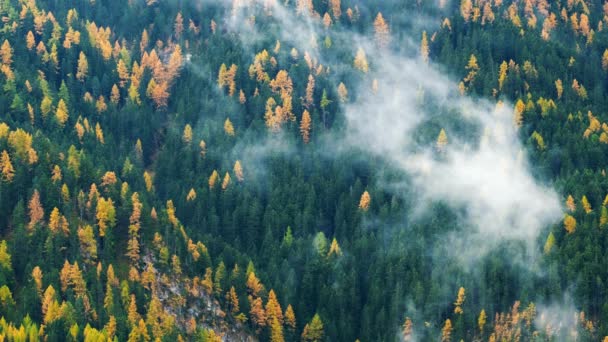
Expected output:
(304, 170)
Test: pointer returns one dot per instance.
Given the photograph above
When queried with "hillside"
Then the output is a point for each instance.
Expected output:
(314, 170)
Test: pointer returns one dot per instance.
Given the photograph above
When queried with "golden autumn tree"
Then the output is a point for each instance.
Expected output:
(342, 92)
(273, 308)
(381, 30)
(586, 205)
(62, 114)
(442, 140)
(228, 127)
(6, 53)
(365, 201)
(8, 172)
(290, 318)
(518, 113)
(257, 313)
(213, 179)
(187, 135)
(481, 321)
(233, 301)
(446, 331)
(310, 92)
(226, 181)
(360, 62)
(424, 48)
(238, 171)
(106, 215)
(30, 40)
(459, 301)
(83, 67)
(36, 211)
(313, 331)
(569, 224)
(178, 26)
(305, 125)
(549, 243)
(570, 203)
(276, 330)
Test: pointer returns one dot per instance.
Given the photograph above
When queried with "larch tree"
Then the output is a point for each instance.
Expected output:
(178, 27)
(424, 48)
(30, 40)
(381, 30)
(570, 224)
(446, 331)
(187, 135)
(115, 95)
(233, 301)
(276, 331)
(6, 53)
(106, 215)
(273, 308)
(238, 171)
(305, 126)
(228, 127)
(8, 172)
(62, 114)
(365, 201)
(459, 301)
(310, 92)
(257, 313)
(466, 9)
(360, 62)
(83, 67)
(290, 318)
(570, 204)
(213, 179)
(313, 331)
(549, 243)
(586, 205)
(342, 92)
(226, 181)
(407, 329)
(442, 140)
(481, 321)
(336, 9)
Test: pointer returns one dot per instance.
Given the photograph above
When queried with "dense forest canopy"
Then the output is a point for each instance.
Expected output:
(314, 170)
